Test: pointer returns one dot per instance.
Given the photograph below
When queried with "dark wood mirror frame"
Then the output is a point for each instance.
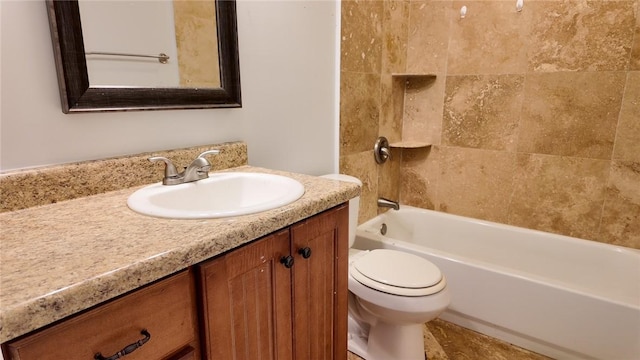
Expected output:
(78, 96)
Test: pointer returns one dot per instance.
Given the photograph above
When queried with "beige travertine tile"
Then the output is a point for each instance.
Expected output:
(195, 22)
(394, 49)
(422, 119)
(428, 36)
(580, 35)
(433, 350)
(363, 166)
(621, 214)
(391, 107)
(389, 177)
(635, 49)
(482, 111)
(559, 194)
(459, 343)
(476, 183)
(419, 177)
(447, 341)
(361, 38)
(627, 144)
(359, 111)
(570, 114)
(566, 110)
(491, 39)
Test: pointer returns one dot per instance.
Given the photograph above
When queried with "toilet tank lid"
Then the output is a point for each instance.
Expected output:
(343, 177)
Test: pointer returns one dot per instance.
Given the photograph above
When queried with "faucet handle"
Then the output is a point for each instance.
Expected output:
(202, 164)
(209, 152)
(199, 167)
(169, 169)
(381, 150)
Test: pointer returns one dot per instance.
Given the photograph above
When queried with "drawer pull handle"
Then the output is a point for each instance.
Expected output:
(127, 349)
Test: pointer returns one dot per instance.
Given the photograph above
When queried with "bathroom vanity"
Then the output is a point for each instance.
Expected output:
(90, 276)
(281, 297)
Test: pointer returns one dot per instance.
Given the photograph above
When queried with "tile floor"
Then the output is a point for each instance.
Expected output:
(446, 341)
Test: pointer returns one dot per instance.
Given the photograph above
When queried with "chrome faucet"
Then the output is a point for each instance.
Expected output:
(197, 170)
(382, 202)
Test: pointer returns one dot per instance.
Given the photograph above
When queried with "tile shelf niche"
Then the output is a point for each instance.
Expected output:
(409, 76)
(409, 144)
(404, 83)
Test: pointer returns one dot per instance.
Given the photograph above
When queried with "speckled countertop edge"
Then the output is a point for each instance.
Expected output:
(59, 259)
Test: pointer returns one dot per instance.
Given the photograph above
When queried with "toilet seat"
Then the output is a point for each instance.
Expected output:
(398, 273)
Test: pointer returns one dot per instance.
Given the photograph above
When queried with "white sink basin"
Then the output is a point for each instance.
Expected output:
(220, 195)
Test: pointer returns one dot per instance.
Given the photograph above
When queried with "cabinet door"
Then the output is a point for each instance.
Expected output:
(246, 301)
(320, 247)
(166, 311)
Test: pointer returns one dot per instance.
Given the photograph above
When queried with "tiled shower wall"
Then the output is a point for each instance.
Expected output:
(533, 116)
(195, 21)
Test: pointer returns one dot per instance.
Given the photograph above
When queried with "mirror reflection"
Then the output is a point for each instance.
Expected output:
(160, 43)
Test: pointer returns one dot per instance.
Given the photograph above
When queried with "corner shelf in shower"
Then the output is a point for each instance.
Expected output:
(411, 76)
(409, 144)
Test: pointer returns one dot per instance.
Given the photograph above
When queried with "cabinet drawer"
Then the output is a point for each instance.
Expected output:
(166, 310)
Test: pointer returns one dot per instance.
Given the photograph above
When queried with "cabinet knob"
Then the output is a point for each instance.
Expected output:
(287, 261)
(305, 252)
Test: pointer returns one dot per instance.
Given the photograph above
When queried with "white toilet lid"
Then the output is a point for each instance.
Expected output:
(397, 273)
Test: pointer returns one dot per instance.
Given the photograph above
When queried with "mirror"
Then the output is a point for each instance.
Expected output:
(78, 94)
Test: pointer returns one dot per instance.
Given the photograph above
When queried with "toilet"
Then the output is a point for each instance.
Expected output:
(391, 294)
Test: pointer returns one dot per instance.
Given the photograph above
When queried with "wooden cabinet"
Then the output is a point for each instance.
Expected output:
(246, 302)
(320, 285)
(160, 319)
(281, 297)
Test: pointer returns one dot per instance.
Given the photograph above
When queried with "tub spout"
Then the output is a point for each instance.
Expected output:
(382, 202)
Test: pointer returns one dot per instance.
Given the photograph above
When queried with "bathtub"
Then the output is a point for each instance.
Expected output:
(563, 297)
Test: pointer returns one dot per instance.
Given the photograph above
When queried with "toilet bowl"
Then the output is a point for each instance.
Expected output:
(391, 295)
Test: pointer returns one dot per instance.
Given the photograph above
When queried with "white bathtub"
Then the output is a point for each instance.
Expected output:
(560, 296)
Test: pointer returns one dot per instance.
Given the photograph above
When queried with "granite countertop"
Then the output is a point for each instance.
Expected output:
(59, 259)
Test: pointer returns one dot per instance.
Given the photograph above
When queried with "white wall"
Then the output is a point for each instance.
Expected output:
(288, 71)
